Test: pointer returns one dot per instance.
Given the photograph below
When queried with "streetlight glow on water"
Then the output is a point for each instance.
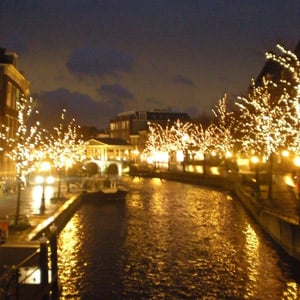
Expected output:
(170, 240)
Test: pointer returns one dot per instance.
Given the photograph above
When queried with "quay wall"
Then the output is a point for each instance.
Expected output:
(18, 251)
(284, 231)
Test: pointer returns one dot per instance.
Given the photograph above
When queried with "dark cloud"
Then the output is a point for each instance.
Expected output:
(151, 42)
(82, 107)
(154, 103)
(115, 91)
(99, 61)
(183, 80)
(16, 43)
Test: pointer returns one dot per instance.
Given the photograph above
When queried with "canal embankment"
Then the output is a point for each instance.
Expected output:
(26, 255)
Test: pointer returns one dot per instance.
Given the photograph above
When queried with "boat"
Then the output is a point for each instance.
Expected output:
(106, 188)
(113, 189)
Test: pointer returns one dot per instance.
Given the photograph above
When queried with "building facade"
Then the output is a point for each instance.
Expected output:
(13, 88)
(105, 151)
(133, 126)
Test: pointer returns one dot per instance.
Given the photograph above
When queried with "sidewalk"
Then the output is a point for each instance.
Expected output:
(37, 220)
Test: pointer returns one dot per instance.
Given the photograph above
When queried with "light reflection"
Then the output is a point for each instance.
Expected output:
(37, 192)
(291, 292)
(289, 181)
(69, 245)
(215, 170)
(157, 181)
(158, 201)
(251, 249)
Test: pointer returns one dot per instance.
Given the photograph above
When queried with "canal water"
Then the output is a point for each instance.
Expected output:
(170, 240)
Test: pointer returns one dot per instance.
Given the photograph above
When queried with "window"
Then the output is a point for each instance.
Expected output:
(9, 95)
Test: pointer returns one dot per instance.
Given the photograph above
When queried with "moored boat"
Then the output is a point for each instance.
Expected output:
(107, 188)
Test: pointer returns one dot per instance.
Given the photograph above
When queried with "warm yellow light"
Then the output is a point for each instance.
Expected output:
(45, 166)
(69, 163)
(180, 156)
(213, 153)
(135, 152)
(254, 159)
(199, 156)
(161, 156)
(297, 161)
(39, 179)
(228, 154)
(285, 153)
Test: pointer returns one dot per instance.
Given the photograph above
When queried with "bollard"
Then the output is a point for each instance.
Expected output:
(54, 268)
(44, 265)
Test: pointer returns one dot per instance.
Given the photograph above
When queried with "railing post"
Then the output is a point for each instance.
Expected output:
(44, 265)
(54, 268)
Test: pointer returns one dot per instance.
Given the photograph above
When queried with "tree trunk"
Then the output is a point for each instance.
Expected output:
(18, 201)
(270, 178)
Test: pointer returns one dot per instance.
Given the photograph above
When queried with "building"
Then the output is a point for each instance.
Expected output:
(273, 71)
(13, 87)
(133, 126)
(107, 151)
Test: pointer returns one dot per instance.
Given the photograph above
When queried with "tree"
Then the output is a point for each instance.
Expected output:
(224, 125)
(290, 79)
(22, 143)
(270, 113)
(64, 146)
(265, 127)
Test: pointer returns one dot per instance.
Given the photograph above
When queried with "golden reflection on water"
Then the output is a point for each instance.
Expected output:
(158, 201)
(291, 292)
(252, 256)
(70, 245)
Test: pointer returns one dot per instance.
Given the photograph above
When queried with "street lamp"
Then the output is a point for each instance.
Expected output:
(297, 164)
(45, 167)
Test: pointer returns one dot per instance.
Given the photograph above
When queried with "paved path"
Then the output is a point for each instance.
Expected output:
(29, 207)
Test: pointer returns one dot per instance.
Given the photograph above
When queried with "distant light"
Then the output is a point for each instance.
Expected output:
(285, 153)
(297, 161)
(228, 154)
(254, 159)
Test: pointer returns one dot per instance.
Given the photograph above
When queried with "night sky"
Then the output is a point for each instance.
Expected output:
(97, 58)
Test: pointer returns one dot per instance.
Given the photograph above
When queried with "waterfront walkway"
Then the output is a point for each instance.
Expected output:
(37, 221)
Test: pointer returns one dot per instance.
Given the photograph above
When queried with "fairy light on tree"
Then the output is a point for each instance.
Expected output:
(21, 144)
(290, 63)
(64, 146)
(157, 144)
(205, 142)
(182, 141)
(290, 79)
(265, 126)
(185, 139)
(223, 130)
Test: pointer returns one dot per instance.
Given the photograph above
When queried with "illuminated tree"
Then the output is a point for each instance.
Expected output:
(290, 79)
(64, 146)
(21, 144)
(264, 127)
(270, 114)
(157, 144)
(290, 64)
(184, 139)
(223, 130)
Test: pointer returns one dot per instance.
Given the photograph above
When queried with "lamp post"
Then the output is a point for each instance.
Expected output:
(44, 168)
(297, 164)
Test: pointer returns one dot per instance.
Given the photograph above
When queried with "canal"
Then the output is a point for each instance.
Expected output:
(170, 240)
